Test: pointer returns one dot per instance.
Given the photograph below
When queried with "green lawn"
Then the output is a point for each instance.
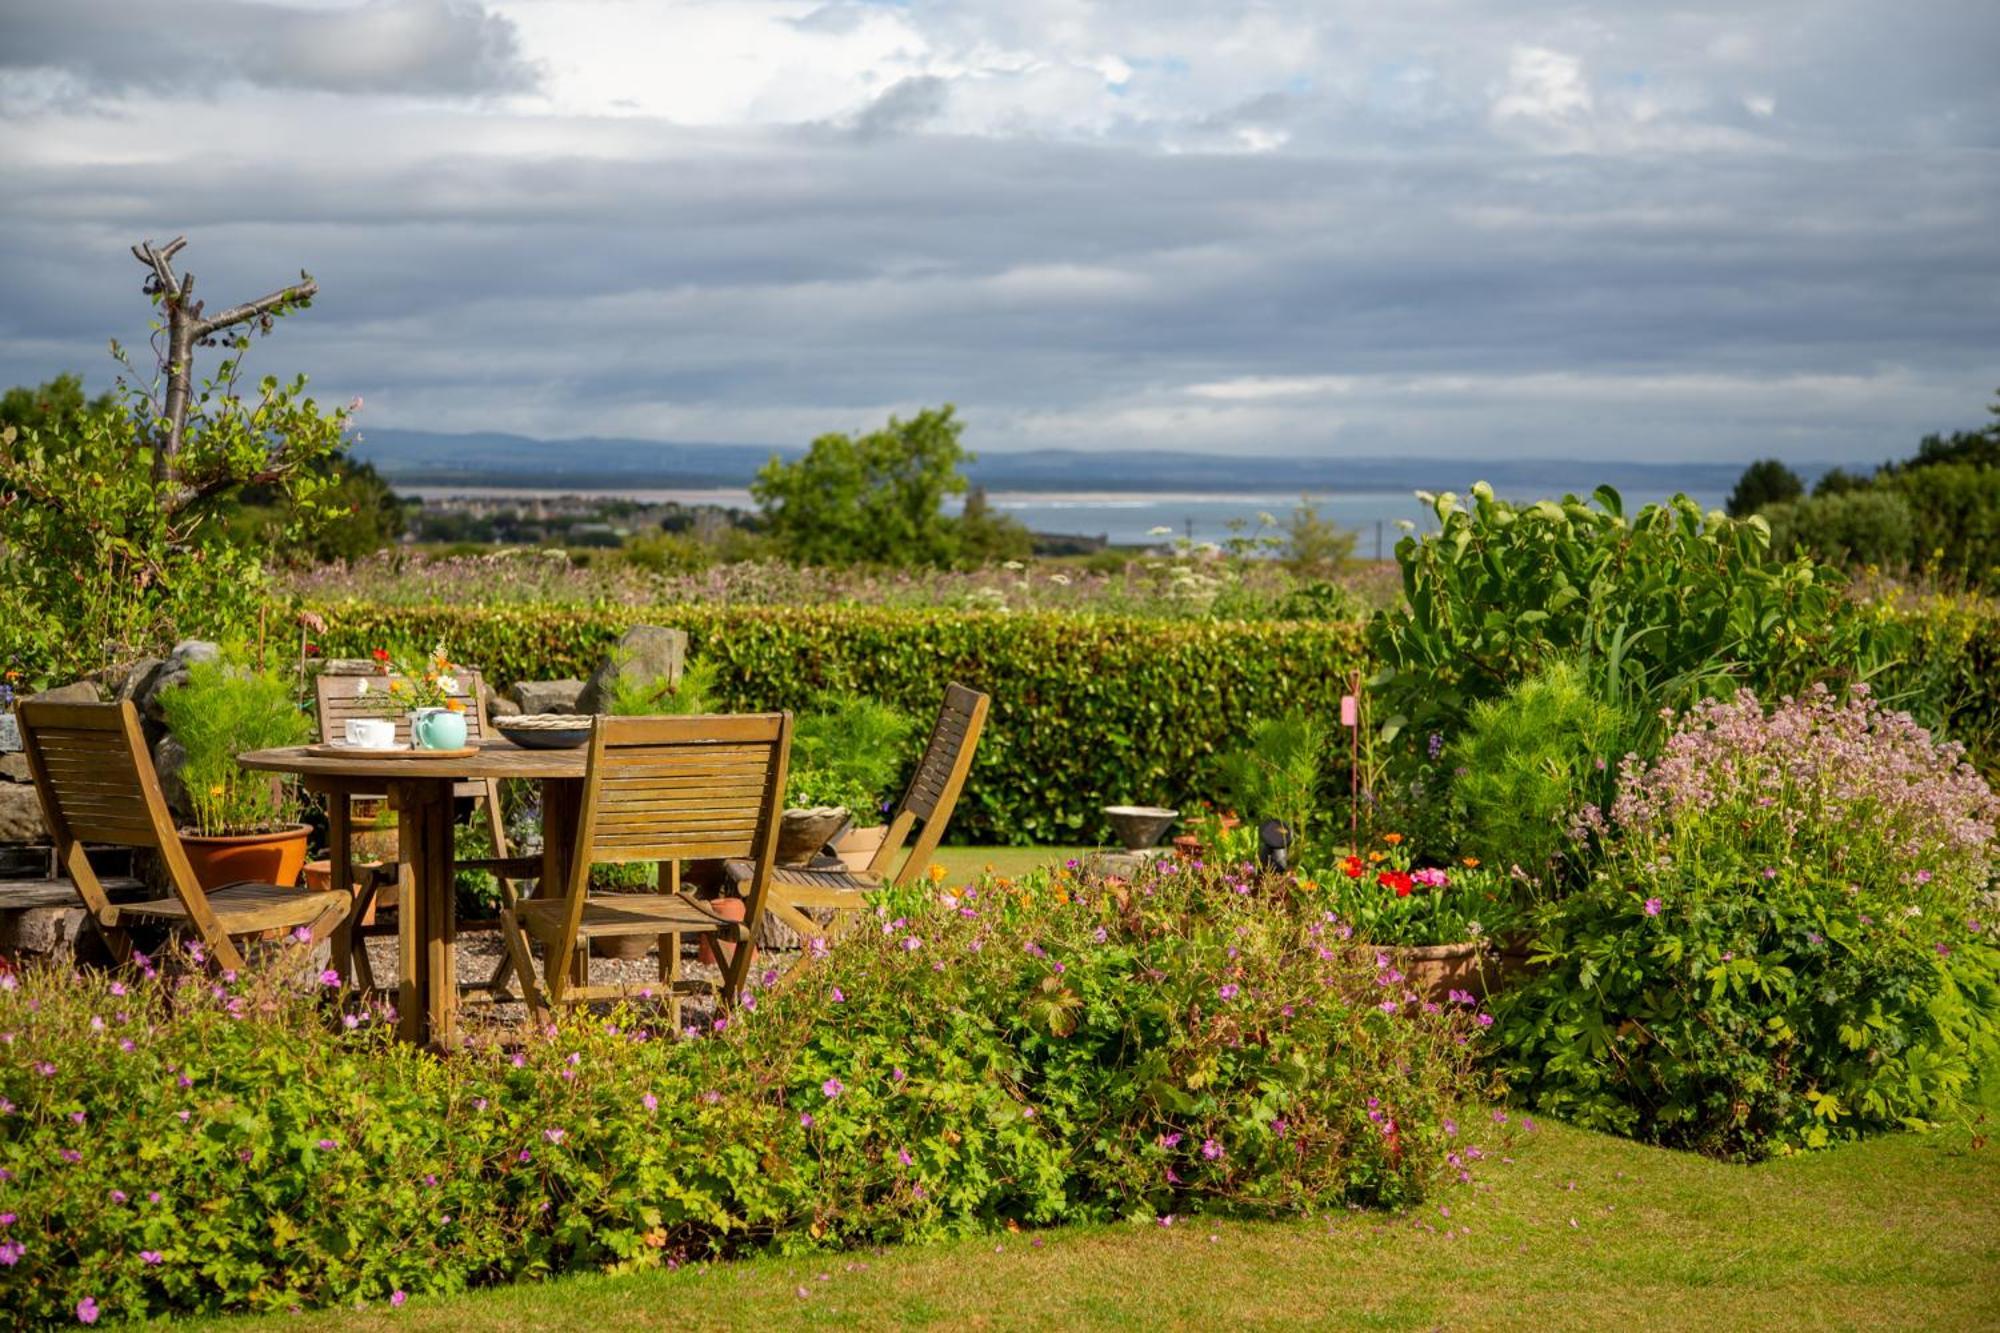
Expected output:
(966, 863)
(1575, 1231)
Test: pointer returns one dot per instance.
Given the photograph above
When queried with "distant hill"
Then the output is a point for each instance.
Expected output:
(486, 458)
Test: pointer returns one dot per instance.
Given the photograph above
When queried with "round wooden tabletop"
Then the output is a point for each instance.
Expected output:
(494, 759)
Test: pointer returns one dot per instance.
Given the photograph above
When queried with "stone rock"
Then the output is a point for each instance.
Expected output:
(171, 675)
(14, 768)
(348, 666)
(547, 696)
(10, 734)
(135, 681)
(499, 705)
(197, 650)
(76, 692)
(169, 758)
(21, 815)
(643, 653)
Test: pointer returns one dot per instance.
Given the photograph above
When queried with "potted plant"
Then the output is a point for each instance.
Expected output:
(245, 826)
(1436, 925)
(846, 758)
(424, 690)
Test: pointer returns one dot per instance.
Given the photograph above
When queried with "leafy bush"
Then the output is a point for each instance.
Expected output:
(638, 696)
(1867, 526)
(850, 750)
(1527, 760)
(1054, 1051)
(1788, 946)
(1086, 709)
(1661, 609)
(1278, 774)
(1956, 507)
(219, 713)
(1385, 899)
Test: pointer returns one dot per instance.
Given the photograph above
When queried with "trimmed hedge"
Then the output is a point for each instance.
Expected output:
(1087, 710)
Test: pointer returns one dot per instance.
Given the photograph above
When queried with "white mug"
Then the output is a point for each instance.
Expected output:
(371, 733)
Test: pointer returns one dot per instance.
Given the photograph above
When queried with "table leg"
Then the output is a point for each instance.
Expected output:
(426, 932)
(340, 852)
(562, 800)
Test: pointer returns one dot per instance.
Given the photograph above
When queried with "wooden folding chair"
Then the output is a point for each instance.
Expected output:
(96, 781)
(339, 700)
(932, 795)
(659, 789)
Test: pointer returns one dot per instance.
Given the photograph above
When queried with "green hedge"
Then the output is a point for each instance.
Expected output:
(1087, 710)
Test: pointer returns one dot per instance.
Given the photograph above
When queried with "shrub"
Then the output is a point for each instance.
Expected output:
(1869, 526)
(1787, 946)
(1278, 774)
(1056, 1051)
(850, 750)
(1660, 609)
(1086, 709)
(1526, 761)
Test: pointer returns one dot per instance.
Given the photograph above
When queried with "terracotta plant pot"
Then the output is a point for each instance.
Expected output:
(258, 858)
(624, 948)
(857, 847)
(730, 908)
(319, 878)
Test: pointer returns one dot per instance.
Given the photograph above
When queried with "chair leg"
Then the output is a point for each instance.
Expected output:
(517, 950)
(670, 975)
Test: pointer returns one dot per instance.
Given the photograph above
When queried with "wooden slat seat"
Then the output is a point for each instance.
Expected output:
(607, 916)
(930, 798)
(246, 908)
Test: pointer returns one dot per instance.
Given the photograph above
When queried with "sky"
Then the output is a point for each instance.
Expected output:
(1645, 230)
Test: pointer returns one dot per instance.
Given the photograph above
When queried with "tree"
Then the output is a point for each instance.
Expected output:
(57, 404)
(872, 499)
(1314, 544)
(111, 539)
(361, 515)
(987, 537)
(1764, 482)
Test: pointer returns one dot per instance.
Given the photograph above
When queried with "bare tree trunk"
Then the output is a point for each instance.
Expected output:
(187, 328)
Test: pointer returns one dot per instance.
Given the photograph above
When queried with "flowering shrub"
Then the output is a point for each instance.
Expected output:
(1057, 1050)
(1789, 944)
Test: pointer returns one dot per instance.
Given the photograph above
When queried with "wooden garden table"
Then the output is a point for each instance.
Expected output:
(421, 792)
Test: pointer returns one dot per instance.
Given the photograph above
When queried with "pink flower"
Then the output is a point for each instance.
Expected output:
(86, 1310)
(555, 1135)
(832, 1088)
(397, 1297)
(1227, 990)
(151, 1257)
(1653, 907)
(329, 978)
(1211, 1150)
(806, 1119)
(650, 1102)
(10, 1253)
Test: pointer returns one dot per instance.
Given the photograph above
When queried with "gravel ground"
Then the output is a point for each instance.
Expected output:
(479, 953)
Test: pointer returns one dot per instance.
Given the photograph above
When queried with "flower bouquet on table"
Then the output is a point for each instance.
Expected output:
(1438, 924)
(425, 690)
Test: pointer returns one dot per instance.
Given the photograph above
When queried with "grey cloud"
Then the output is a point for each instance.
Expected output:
(416, 47)
(906, 104)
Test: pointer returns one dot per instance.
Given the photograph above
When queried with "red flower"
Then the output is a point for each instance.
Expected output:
(1352, 865)
(380, 654)
(1397, 880)
(312, 650)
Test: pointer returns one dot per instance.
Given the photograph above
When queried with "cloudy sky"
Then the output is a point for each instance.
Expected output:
(1642, 229)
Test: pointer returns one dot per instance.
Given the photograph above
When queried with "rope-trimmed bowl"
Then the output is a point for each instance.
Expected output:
(546, 731)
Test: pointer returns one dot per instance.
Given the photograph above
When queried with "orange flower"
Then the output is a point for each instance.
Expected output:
(1393, 839)
(1376, 856)
(1471, 863)
(455, 705)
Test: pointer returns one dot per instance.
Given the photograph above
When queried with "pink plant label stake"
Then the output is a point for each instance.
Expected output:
(1349, 711)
